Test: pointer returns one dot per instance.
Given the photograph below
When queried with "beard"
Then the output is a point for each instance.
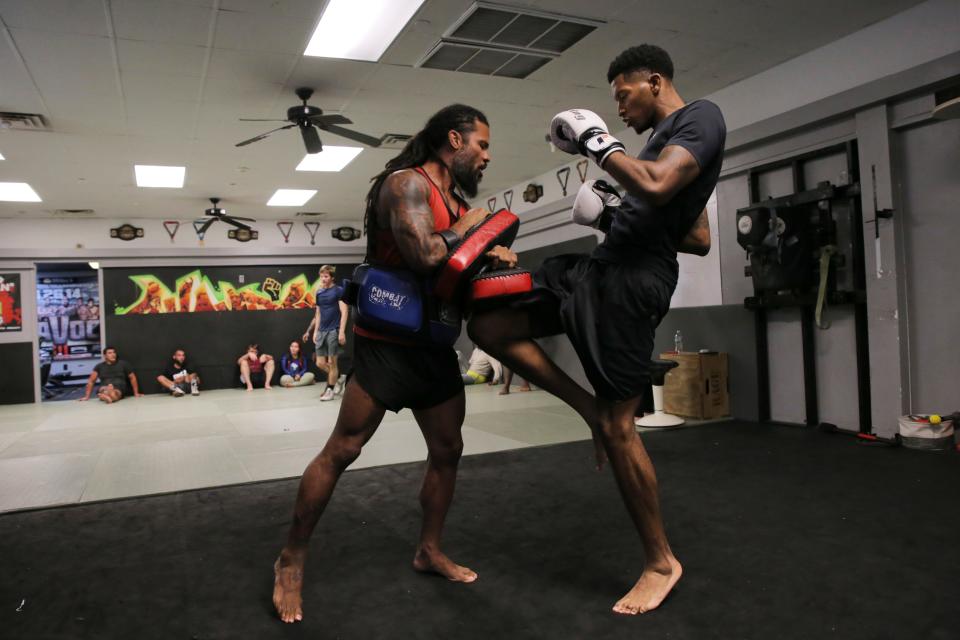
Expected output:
(465, 174)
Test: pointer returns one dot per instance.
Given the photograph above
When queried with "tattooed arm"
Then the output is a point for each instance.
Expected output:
(405, 198)
(697, 241)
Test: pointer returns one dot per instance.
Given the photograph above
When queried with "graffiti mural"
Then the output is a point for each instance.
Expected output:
(194, 292)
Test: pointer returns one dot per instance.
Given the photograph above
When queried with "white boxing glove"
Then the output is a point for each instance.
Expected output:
(582, 131)
(594, 204)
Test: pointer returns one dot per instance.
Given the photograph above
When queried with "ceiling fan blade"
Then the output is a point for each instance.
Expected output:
(260, 120)
(263, 135)
(236, 223)
(352, 135)
(326, 119)
(311, 139)
(242, 218)
(206, 225)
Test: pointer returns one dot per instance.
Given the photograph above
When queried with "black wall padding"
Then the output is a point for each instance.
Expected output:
(16, 374)
(213, 340)
(533, 258)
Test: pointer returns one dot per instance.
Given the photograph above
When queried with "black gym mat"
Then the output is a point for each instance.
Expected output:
(783, 533)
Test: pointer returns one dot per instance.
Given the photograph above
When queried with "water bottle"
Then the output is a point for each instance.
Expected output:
(677, 342)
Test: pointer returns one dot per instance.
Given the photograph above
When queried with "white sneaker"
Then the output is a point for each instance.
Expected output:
(194, 389)
(327, 394)
(177, 392)
(338, 388)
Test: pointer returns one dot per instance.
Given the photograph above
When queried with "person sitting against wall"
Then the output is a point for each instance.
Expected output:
(482, 368)
(179, 376)
(256, 369)
(294, 368)
(114, 374)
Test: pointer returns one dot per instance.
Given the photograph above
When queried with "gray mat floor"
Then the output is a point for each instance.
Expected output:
(68, 452)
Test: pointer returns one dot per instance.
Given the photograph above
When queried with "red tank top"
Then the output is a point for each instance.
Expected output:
(387, 254)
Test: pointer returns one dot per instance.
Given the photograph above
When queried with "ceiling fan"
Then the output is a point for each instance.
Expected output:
(215, 213)
(308, 119)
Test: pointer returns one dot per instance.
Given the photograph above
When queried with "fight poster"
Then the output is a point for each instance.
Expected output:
(11, 311)
(68, 315)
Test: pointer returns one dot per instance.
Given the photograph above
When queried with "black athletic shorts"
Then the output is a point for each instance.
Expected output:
(401, 376)
(610, 312)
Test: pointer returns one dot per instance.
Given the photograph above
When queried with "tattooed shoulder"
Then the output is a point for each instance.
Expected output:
(400, 190)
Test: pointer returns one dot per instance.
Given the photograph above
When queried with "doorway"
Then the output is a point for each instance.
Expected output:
(68, 331)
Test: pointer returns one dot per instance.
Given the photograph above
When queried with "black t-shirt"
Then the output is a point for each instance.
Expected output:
(177, 372)
(115, 374)
(642, 233)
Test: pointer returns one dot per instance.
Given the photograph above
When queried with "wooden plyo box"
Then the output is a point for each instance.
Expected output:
(698, 388)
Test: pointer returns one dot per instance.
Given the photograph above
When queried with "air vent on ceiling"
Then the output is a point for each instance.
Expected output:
(22, 121)
(394, 140)
(310, 214)
(73, 212)
(497, 40)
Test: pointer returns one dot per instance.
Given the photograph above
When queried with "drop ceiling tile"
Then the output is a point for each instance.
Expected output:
(159, 57)
(250, 67)
(168, 121)
(332, 80)
(297, 8)
(160, 87)
(262, 32)
(63, 16)
(161, 21)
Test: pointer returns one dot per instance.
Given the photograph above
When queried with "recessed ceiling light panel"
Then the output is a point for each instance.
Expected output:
(18, 192)
(360, 29)
(330, 159)
(291, 197)
(149, 175)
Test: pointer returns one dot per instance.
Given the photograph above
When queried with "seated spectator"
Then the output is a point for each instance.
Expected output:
(256, 369)
(482, 368)
(179, 376)
(294, 368)
(114, 375)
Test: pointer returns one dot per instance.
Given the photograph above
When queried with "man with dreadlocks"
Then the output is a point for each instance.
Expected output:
(414, 215)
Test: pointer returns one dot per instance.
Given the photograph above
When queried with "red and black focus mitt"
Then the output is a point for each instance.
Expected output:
(491, 289)
(468, 255)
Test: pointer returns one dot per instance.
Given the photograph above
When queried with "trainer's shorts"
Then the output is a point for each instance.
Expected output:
(405, 376)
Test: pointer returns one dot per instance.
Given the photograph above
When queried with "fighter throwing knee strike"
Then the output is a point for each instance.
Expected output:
(610, 302)
(415, 213)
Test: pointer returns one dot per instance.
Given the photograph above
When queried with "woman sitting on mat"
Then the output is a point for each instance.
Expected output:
(294, 367)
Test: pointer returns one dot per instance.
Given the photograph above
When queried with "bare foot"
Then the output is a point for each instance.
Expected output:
(651, 589)
(249, 388)
(437, 562)
(505, 391)
(524, 388)
(287, 584)
(267, 387)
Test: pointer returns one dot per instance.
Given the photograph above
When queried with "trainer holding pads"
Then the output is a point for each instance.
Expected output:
(414, 217)
(610, 302)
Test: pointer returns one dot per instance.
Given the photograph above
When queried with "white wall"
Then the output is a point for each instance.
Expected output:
(82, 240)
(911, 38)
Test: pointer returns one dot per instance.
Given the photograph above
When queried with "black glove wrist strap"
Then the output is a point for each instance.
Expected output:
(450, 237)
